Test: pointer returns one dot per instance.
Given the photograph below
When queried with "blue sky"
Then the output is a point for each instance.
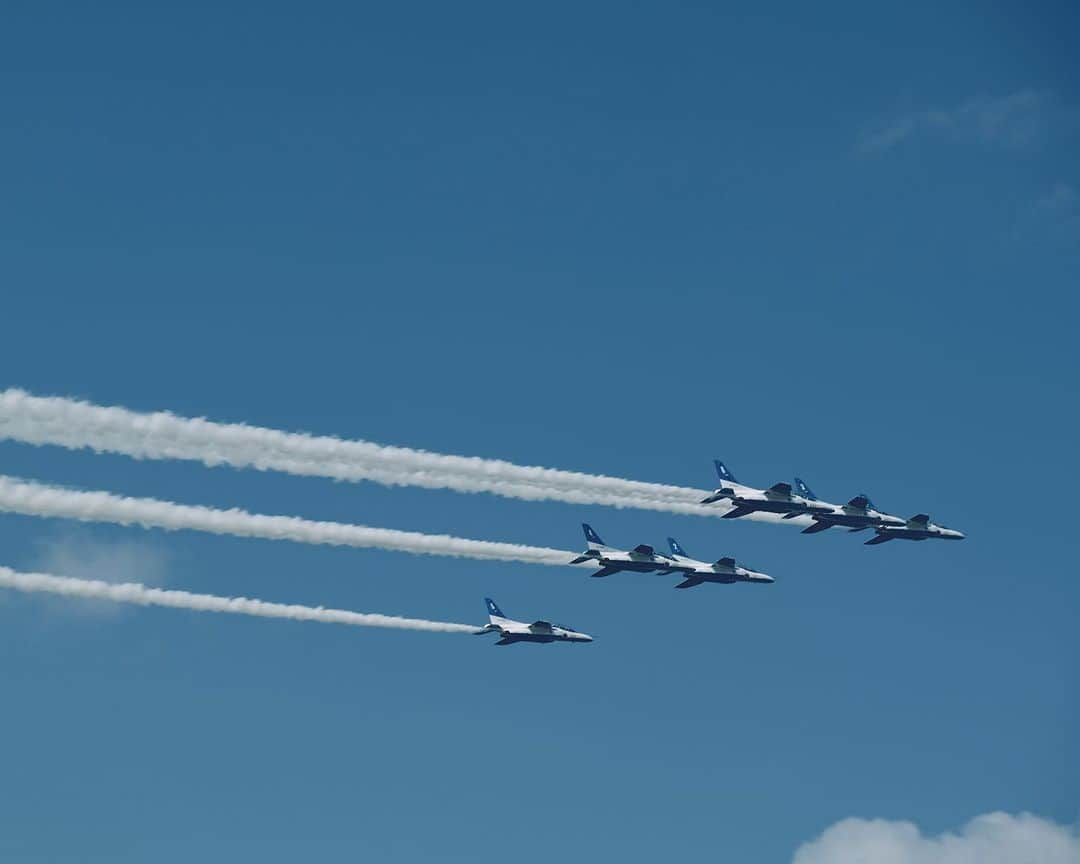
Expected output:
(835, 241)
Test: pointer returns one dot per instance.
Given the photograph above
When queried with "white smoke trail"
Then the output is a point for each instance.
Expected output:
(162, 435)
(35, 499)
(140, 595)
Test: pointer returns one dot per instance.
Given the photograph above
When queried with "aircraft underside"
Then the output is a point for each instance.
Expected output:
(693, 581)
(510, 639)
(744, 508)
(853, 523)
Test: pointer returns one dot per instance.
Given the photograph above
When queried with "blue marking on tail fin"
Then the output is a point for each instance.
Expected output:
(723, 473)
(492, 608)
(676, 549)
(591, 535)
(804, 490)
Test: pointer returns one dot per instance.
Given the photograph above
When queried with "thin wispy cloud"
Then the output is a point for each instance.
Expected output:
(81, 555)
(993, 838)
(1052, 218)
(1062, 198)
(1017, 121)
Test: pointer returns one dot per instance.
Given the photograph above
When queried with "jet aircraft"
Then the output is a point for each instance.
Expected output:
(857, 515)
(640, 559)
(916, 528)
(518, 631)
(724, 571)
(778, 498)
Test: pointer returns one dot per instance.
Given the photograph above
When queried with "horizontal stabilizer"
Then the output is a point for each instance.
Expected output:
(690, 582)
(506, 640)
(817, 528)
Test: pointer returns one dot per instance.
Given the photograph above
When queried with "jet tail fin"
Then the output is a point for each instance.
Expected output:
(493, 610)
(723, 473)
(591, 537)
(676, 549)
(804, 490)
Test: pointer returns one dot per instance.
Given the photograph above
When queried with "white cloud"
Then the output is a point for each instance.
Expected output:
(993, 838)
(1017, 121)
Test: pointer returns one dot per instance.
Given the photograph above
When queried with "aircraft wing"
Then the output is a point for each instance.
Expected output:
(644, 549)
(878, 538)
(604, 571)
(817, 527)
(690, 582)
(737, 512)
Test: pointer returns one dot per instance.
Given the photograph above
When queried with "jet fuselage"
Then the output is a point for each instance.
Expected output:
(932, 533)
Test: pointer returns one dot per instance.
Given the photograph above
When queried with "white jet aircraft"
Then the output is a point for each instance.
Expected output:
(725, 571)
(778, 498)
(916, 528)
(518, 631)
(640, 559)
(857, 515)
